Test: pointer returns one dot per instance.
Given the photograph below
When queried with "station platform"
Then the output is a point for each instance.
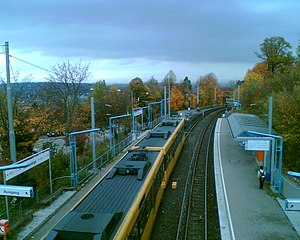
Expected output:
(245, 211)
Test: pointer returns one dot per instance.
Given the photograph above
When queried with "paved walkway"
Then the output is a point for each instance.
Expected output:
(246, 212)
(42, 215)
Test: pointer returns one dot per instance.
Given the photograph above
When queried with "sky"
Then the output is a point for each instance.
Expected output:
(124, 39)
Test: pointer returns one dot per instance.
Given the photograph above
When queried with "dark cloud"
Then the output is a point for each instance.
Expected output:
(220, 31)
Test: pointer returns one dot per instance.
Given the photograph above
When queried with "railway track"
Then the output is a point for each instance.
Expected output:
(184, 211)
(193, 223)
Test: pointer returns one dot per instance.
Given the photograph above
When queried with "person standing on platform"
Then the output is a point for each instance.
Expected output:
(261, 177)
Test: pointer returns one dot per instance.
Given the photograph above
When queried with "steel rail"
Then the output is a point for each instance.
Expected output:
(188, 192)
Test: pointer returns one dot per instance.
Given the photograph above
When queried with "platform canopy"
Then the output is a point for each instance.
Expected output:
(248, 127)
(242, 125)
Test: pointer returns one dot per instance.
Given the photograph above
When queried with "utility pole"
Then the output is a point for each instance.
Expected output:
(270, 115)
(239, 83)
(93, 134)
(12, 139)
(215, 96)
(165, 99)
(169, 99)
(197, 94)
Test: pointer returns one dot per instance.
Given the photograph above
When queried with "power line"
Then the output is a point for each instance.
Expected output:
(34, 65)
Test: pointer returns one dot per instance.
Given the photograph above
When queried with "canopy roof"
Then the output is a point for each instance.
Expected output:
(243, 125)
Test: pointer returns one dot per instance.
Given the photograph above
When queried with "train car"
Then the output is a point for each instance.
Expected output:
(125, 202)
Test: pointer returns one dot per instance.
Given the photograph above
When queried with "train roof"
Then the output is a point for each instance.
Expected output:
(159, 136)
(101, 210)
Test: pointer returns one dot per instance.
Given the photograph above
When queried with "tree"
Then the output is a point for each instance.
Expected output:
(100, 91)
(281, 81)
(277, 54)
(139, 92)
(177, 98)
(208, 85)
(155, 90)
(252, 89)
(3, 115)
(170, 78)
(286, 117)
(63, 91)
(25, 135)
(298, 52)
(186, 86)
(261, 69)
(152, 81)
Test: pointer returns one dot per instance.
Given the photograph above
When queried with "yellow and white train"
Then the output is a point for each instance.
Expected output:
(125, 202)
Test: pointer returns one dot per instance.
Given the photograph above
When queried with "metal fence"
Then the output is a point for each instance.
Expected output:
(88, 171)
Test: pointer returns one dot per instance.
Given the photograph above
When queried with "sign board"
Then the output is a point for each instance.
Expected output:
(137, 112)
(4, 224)
(2, 230)
(32, 161)
(16, 191)
(262, 145)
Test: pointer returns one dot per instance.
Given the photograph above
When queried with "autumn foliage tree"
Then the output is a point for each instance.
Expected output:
(252, 89)
(155, 90)
(276, 53)
(139, 92)
(177, 97)
(208, 88)
(277, 76)
(24, 131)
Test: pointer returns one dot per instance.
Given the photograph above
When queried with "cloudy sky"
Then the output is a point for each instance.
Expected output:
(123, 39)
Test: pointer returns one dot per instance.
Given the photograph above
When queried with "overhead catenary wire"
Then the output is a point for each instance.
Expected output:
(34, 65)
(42, 68)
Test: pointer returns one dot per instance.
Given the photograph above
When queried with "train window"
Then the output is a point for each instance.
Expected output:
(170, 156)
(149, 203)
(142, 202)
(139, 226)
(142, 219)
(158, 180)
(134, 234)
(166, 161)
(156, 185)
(173, 149)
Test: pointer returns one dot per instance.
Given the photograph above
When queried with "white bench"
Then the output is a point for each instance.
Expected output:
(292, 204)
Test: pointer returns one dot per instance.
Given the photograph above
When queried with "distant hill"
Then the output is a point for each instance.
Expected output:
(30, 90)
